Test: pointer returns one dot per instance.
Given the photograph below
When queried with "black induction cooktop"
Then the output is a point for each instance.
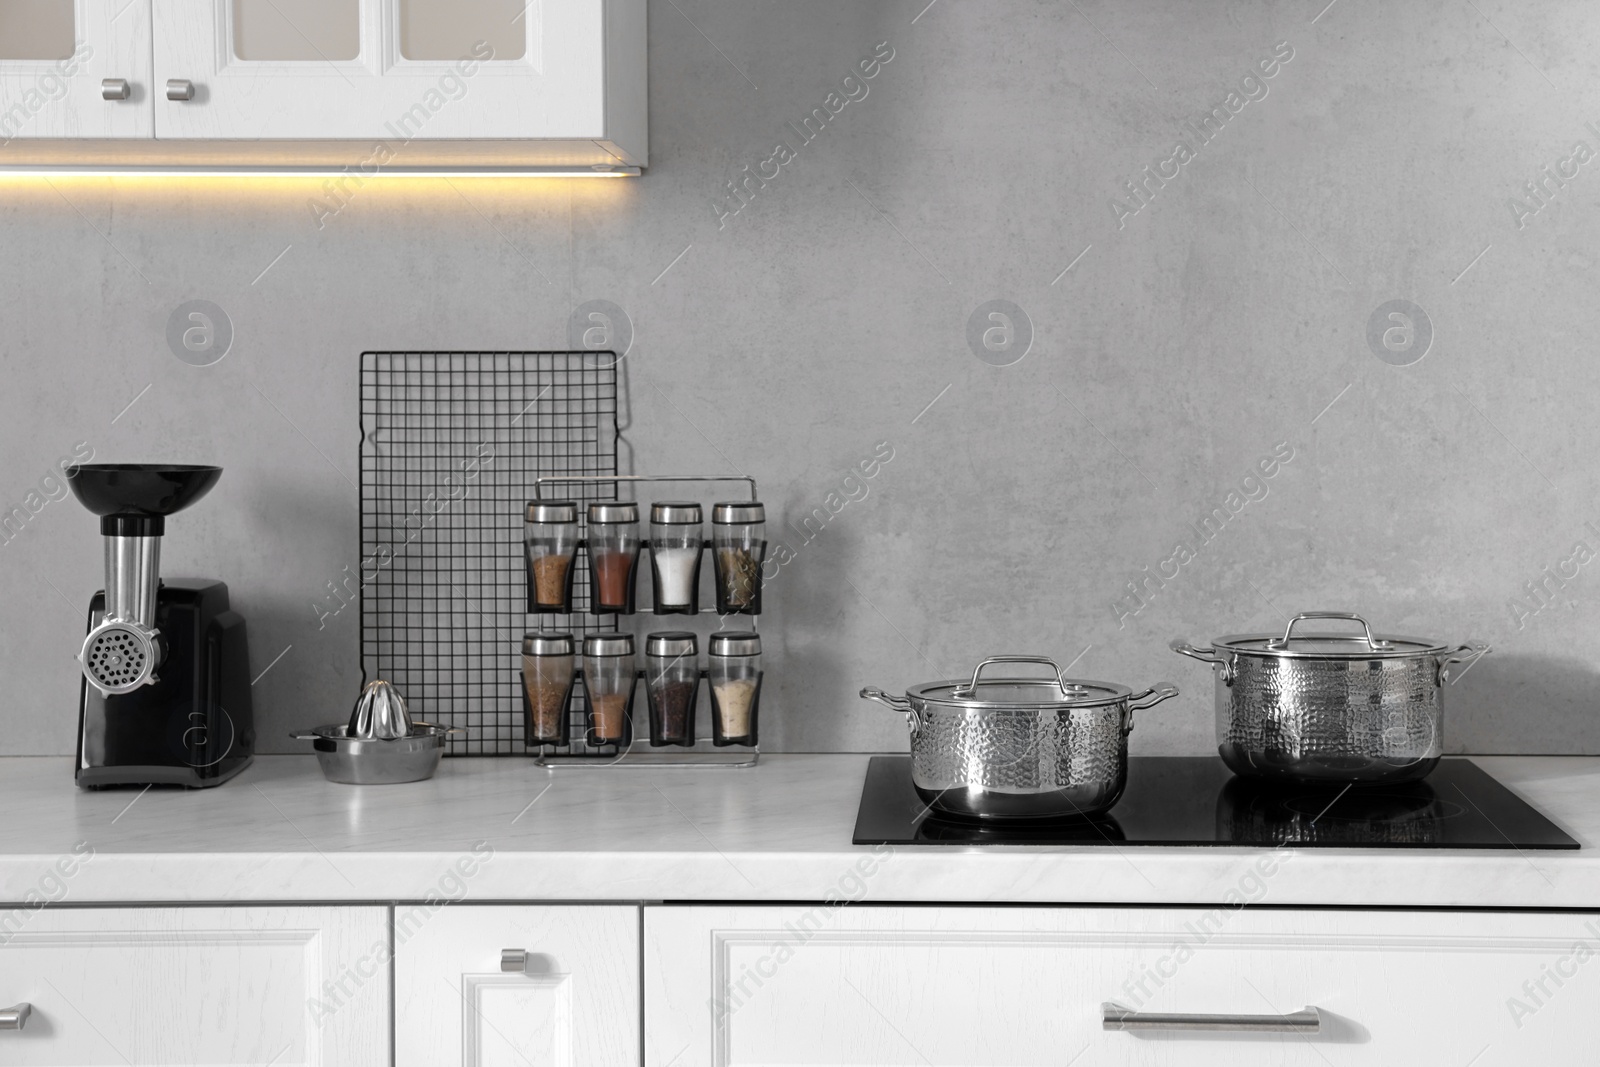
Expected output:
(1183, 800)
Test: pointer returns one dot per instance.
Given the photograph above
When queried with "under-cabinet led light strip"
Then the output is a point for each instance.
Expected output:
(59, 171)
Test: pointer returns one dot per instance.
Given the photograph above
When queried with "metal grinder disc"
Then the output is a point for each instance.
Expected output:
(118, 658)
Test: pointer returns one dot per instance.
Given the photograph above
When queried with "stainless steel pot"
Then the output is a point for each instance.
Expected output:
(1331, 707)
(1020, 747)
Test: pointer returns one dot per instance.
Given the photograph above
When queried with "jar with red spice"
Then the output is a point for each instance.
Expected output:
(672, 683)
(551, 539)
(613, 542)
(609, 680)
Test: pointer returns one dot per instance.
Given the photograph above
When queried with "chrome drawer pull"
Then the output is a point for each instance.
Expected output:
(1305, 1021)
(15, 1018)
(514, 960)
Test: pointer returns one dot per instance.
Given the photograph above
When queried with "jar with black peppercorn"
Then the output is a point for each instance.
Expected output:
(672, 682)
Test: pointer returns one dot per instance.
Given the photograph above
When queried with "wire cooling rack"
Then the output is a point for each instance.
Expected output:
(451, 443)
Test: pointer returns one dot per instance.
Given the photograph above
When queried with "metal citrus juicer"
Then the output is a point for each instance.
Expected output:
(381, 744)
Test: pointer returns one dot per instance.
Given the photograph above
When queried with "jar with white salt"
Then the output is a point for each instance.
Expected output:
(734, 665)
(675, 546)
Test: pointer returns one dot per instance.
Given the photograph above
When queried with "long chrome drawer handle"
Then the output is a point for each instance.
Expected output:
(15, 1018)
(1305, 1021)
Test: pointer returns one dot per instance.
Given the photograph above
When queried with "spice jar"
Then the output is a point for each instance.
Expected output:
(734, 664)
(551, 538)
(609, 674)
(672, 681)
(739, 545)
(675, 542)
(613, 555)
(547, 672)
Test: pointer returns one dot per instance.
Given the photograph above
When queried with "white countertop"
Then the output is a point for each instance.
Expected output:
(780, 831)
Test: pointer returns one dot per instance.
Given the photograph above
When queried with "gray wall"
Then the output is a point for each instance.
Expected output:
(1227, 317)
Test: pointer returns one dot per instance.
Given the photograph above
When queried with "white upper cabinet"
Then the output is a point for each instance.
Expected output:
(284, 82)
(74, 69)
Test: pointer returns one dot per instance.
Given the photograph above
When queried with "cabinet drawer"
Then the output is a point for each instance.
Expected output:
(985, 986)
(576, 1003)
(179, 986)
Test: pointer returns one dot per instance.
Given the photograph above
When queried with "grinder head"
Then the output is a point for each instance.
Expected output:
(124, 650)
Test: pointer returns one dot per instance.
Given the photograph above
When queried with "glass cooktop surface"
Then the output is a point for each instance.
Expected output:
(1190, 800)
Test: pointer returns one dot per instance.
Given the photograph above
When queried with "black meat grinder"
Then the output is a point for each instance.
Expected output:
(165, 697)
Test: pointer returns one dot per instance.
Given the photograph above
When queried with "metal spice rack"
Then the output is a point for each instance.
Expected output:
(639, 753)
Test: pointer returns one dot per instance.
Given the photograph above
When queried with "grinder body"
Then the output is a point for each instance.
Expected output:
(193, 725)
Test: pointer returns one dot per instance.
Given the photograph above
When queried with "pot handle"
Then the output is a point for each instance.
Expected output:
(1149, 699)
(1205, 655)
(1469, 653)
(1374, 643)
(900, 704)
(893, 703)
(1156, 694)
(1043, 661)
(302, 736)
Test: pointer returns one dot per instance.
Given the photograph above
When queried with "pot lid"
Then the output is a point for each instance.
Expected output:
(1004, 694)
(1022, 694)
(1301, 645)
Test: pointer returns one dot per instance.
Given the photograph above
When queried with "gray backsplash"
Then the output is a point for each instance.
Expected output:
(1228, 320)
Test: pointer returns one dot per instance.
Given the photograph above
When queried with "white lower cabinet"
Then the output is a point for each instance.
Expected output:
(516, 986)
(1020, 986)
(181, 986)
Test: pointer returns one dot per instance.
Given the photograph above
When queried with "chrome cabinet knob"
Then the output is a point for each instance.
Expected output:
(180, 89)
(514, 960)
(115, 88)
(15, 1018)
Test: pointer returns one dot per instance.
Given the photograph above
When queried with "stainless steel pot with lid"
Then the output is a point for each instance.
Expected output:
(1331, 707)
(1020, 747)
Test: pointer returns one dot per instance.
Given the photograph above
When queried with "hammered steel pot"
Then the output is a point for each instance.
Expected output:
(1020, 747)
(1331, 708)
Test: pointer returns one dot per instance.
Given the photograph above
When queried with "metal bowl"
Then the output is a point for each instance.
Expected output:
(359, 761)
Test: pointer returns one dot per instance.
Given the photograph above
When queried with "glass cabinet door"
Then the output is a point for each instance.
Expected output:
(74, 68)
(389, 70)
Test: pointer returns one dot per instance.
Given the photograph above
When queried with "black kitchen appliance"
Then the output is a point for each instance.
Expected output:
(1179, 800)
(165, 697)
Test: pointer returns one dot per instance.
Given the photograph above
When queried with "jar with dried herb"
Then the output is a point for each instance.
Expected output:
(548, 666)
(609, 676)
(733, 663)
(739, 546)
(675, 546)
(550, 536)
(672, 682)
(613, 542)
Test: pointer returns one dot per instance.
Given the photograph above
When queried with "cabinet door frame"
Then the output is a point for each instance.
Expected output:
(584, 971)
(339, 1006)
(1031, 983)
(112, 40)
(556, 90)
